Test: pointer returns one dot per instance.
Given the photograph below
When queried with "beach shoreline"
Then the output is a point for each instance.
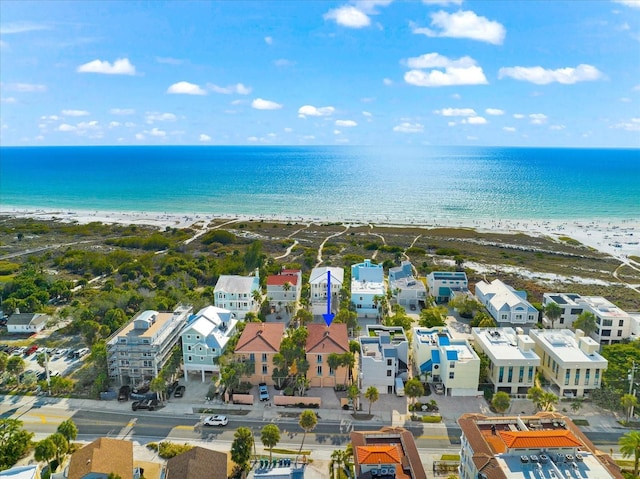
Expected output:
(619, 238)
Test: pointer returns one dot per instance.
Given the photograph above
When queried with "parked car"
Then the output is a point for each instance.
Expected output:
(172, 387)
(71, 353)
(264, 392)
(149, 404)
(123, 393)
(141, 388)
(179, 391)
(217, 420)
(81, 352)
(32, 349)
(438, 388)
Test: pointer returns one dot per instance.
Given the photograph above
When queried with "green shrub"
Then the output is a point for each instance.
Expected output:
(218, 236)
(6, 268)
(447, 252)
(167, 449)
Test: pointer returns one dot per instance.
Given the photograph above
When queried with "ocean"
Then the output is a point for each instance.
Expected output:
(380, 184)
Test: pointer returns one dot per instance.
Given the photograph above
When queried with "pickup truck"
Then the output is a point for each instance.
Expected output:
(263, 391)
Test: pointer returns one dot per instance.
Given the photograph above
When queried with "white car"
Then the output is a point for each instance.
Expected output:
(217, 420)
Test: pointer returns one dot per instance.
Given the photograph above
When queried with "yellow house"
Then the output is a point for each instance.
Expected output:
(258, 343)
(321, 342)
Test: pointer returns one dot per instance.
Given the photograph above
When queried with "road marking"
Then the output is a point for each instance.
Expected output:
(187, 428)
(43, 419)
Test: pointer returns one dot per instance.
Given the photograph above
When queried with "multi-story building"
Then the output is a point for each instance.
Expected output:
(103, 457)
(546, 445)
(438, 357)
(283, 290)
(569, 360)
(384, 355)
(367, 288)
(258, 344)
(319, 283)
(321, 342)
(569, 306)
(140, 349)
(204, 339)
(238, 294)
(444, 284)
(408, 291)
(387, 453)
(505, 304)
(512, 359)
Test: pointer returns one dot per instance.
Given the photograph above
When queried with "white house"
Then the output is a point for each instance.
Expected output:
(384, 355)
(367, 288)
(438, 357)
(569, 360)
(512, 359)
(406, 289)
(569, 306)
(26, 322)
(236, 293)
(319, 281)
(283, 290)
(443, 284)
(204, 339)
(505, 304)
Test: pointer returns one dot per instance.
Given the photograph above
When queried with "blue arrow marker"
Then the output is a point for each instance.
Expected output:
(329, 316)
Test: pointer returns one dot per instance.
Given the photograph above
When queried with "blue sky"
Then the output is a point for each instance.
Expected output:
(503, 73)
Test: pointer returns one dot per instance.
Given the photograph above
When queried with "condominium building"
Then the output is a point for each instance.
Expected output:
(258, 343)
(238, 294)
(320, 280)
(546, 446)
(322, 341)
(367, 288)
(140, 349)
(512, 359)
(507, 305)
(384, 355)
(568, 304)
(408, 291)
(438, 357)
(444, 284)
(569, 360)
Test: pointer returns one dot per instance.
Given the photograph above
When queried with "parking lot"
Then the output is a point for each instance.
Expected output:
(61, 360)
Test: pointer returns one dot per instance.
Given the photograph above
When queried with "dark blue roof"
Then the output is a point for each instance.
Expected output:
(452, 355)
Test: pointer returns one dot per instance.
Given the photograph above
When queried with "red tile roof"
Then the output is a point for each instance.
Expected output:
(324, 339)
(384, 454)
(260, 338)
(539, 439)
(281, 279)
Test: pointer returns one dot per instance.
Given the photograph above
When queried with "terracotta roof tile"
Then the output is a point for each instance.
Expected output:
(385, 454)
(324, 339)
(281, 279)
(539, 439)
(260, 338)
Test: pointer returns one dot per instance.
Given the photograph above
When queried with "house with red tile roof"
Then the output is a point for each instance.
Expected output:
(322, 341)
(389, 452)
(283, 290)
(258, 344)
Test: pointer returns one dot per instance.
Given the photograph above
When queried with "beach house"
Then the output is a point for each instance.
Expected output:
(204, 340)
(258, 343)
(506, 305)
(384, 356)
(512, 359)
(367, 288)
(408, 291)
(238, 294)
(319, 283)
(26, 322)
(323, 341)
(444, 284)
(283, 290)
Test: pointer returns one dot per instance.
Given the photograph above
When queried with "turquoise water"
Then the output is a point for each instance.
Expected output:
(374, 184)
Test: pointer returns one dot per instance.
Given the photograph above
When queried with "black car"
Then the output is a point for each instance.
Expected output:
(179, 391)
(123, 393)
(172, 387)
(149, 404)
(142, 388)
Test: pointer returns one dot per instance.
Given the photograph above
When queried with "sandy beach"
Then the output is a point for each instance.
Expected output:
(618, 238)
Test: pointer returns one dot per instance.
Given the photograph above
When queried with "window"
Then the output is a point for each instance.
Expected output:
(331, 372)
(566, 377)
(510, 374)
(577, 380)
(530, 377)
(503, 317)
(319, 358)
(319, 370)
(452, 365)
(198, 337)
(561, 319)
(201, 358)
(252, 357)
(389, 362)
(606, 332)
(531, 317)
(607, 322)
(389, 372)
(521, 375)
(587, 373)
(451, 375)
(619, 333)
(621, 323)
(189, 358)
(575, 311)
(597, 377)
(501, 374)
(265, 369)
(188, 336)
(189, 348)
(264, 357)
(147, 364)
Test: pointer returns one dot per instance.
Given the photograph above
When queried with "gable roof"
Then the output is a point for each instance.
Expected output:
(384, 454)
(236, 284)
(319, 275)
(24, 319)
(281, 279)
(324, 339)
(539, 439)
(104, 455)
(260, 338)
(198, 463)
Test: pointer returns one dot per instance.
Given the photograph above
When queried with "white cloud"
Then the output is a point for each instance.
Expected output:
(157, 132)
(367, 114)
(456, 112)
(463, 24)
(185, 88)
(114, 124)
(461, 71)
(442, 3)
(308, 137)
(268, 40)
(204, 137)
(538, 118)
(121, 66)
(252, 138)
(456, 96)
(494, 111)
(310, 110)
(150, 117)
(22, 27)
(625, 99)
(475, 120)
(8, 99)
(451, 123)
(130, 124)
(407, 127)
(472, 138)
(509, 129)
(636, 88)
(238, 88)
(169, 60)
(557, 127)
(139, 136)
(288, 130)
(435, 60)
(283, 62)
(346, 123)
(25, 87)
(66, 127)
(88, 125)
(387, 81)
(629, 3)
(518, 116)
(260, 104)
(631, 125)
(75, 113)
(348, 16)
(542, 76)
(336, 132)
(122, 111)
(51, 118)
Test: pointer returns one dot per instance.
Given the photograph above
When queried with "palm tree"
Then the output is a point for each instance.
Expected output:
(338, 458)
(61, 444)
(414, 389)
(270, 436)
(630, 446)
(501, 402)
(257, 296)
(334, 361)
(241, 447)
(586, 322)
(44, 451)
(553, 312)
(548, 400)
(628, 402)
(372, 395)
(308, 421)
(68, 429)
(535, 394)
(348, 360)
